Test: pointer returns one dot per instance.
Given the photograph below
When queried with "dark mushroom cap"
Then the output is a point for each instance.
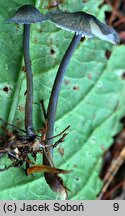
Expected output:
(84, 24)
(27, 14)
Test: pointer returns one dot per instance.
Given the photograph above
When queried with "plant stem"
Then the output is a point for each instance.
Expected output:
(29, 78)
(56, 88)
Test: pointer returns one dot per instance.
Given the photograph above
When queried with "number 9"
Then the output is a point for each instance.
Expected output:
(116, 206)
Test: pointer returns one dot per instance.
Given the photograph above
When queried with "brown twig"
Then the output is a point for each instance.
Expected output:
(113, 169)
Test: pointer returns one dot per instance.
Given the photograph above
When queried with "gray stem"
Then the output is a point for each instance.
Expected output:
(56, 88)
(29, 79)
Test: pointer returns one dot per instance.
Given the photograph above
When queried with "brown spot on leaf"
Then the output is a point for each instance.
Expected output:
(82, 39)
(24, 69)
(76, 88)
(35, 40)
(52, 51)
(25, 93)
(6, 89)
(39, 30)
(107, 54)
(77, 178)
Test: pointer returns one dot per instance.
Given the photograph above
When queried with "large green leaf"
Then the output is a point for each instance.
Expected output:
(92, 100)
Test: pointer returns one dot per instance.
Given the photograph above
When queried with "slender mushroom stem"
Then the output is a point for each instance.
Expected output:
(55, 183)
(29, 78)
(56, 88)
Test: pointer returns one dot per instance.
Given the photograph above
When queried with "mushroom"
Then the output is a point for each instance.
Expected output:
(84, 24)
(26, 15)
